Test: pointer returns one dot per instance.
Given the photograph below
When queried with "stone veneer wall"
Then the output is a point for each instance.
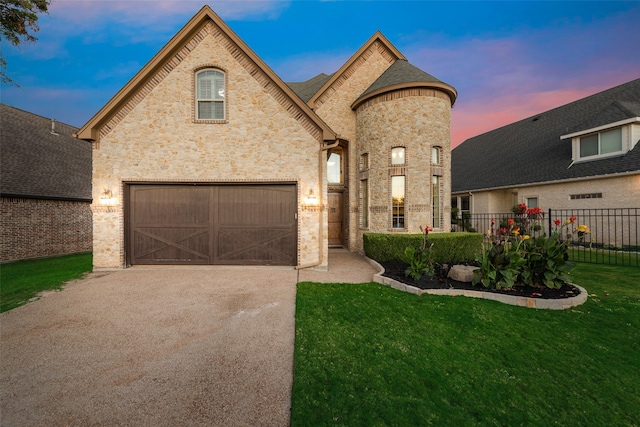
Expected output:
(157, 140)
(36, 228)
(334, 107)
(417, 119)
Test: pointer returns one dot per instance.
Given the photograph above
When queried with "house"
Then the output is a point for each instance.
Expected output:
(45, 187)
(582, 155)
(207, 157)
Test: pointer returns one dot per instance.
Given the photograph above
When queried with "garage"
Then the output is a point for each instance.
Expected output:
(211, 224)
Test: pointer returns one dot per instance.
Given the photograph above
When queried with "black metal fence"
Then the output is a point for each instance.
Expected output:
(614, 236)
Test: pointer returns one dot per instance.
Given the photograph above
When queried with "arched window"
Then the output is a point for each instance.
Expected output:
(210, 92)
(334, 167)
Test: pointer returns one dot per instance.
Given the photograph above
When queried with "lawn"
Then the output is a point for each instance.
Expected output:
(368, 355)
(22, 280)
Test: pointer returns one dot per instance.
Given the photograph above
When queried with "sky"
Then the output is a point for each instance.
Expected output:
(508, 60)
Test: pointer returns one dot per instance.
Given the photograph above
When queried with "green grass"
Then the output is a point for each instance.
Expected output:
(22, 280)
(368, 355)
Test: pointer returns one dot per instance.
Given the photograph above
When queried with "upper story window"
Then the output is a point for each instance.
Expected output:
(210, 95)
(334, 166)
(398, 156)
(436, 155)
(601, 143)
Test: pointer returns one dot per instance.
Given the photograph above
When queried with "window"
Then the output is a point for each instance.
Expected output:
(334, 166)
(435, 155)
(602, 143)
(435, 196)
(397, 156)
(364, 203)
(532, 202)
(586, 196)
(210, 92)
(364, 162)
(397, 201)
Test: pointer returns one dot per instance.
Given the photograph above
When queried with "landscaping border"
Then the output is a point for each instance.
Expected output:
(539, 303)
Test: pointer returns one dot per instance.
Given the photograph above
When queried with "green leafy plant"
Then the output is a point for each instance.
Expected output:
(511, 258)
(419, 258)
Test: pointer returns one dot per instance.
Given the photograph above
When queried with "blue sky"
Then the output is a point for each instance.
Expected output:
(508, 59)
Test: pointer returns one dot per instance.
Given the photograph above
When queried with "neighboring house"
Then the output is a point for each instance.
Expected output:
(207, 157)
(578, 156)
(45, 187)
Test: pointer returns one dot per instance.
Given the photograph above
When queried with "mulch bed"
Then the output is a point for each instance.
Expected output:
(395, 270)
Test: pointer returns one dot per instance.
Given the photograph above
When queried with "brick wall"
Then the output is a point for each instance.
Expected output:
(34, 228)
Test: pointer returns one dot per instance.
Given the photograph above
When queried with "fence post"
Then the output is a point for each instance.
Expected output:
(549, 222)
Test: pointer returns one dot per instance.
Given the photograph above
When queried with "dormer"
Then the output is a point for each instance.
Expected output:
(612, 132)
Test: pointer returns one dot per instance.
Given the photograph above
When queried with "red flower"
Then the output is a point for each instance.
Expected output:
(503, 230)
(510, 222)
(573, 219)
(534, 211)
(516, 228)
(556, 222)
(493, 221)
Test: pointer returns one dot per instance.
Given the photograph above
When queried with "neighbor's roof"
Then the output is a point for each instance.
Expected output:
(530, 151)
(35, 163)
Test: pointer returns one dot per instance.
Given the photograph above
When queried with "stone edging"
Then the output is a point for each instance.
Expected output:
(550, 304)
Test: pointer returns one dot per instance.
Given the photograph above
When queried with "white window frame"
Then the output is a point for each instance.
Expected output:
(600, 154)
(215, 98)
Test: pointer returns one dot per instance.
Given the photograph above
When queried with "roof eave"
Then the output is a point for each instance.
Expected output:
(449, 90)
(600, 128)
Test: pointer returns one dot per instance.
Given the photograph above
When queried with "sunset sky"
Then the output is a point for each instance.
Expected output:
(508, 59)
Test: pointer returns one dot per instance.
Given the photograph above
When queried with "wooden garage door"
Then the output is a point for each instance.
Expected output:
(212, 224)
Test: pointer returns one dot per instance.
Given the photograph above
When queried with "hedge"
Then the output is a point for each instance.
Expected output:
(448, 248)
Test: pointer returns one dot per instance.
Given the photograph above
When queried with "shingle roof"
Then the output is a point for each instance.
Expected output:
(305, 90)
(400, 72)
(530, 151)
(36, 163)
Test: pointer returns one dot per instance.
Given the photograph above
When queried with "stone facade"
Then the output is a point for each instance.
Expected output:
(418, 121)
(159, 141)
(38, 228)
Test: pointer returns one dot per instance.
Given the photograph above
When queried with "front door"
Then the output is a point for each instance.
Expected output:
(336, 218)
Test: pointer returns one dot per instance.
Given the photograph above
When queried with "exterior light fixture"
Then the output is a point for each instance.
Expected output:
(311, 198)
(107, 197)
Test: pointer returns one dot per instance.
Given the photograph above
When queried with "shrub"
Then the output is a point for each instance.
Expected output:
(448, 248)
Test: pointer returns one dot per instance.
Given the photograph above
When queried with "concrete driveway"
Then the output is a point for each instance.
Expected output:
(168, 346)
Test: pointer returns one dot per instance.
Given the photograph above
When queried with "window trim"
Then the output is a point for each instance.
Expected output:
(436, 149)
(196, 99)
(400, 217)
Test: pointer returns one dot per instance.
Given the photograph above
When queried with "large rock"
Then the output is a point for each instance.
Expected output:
(462, 273)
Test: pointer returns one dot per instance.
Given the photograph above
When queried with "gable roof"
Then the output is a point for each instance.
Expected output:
(531, 150)
(376, 38)
(37, 163)
(173, 52)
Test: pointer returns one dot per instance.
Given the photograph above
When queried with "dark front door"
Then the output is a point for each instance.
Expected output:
(212, 224)
(336, 218)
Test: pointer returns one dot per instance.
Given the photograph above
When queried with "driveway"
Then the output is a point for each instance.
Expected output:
(164, 346)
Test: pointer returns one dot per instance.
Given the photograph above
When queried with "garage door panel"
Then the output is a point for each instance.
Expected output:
(172, 245)
(212, 224)
(256, 245)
